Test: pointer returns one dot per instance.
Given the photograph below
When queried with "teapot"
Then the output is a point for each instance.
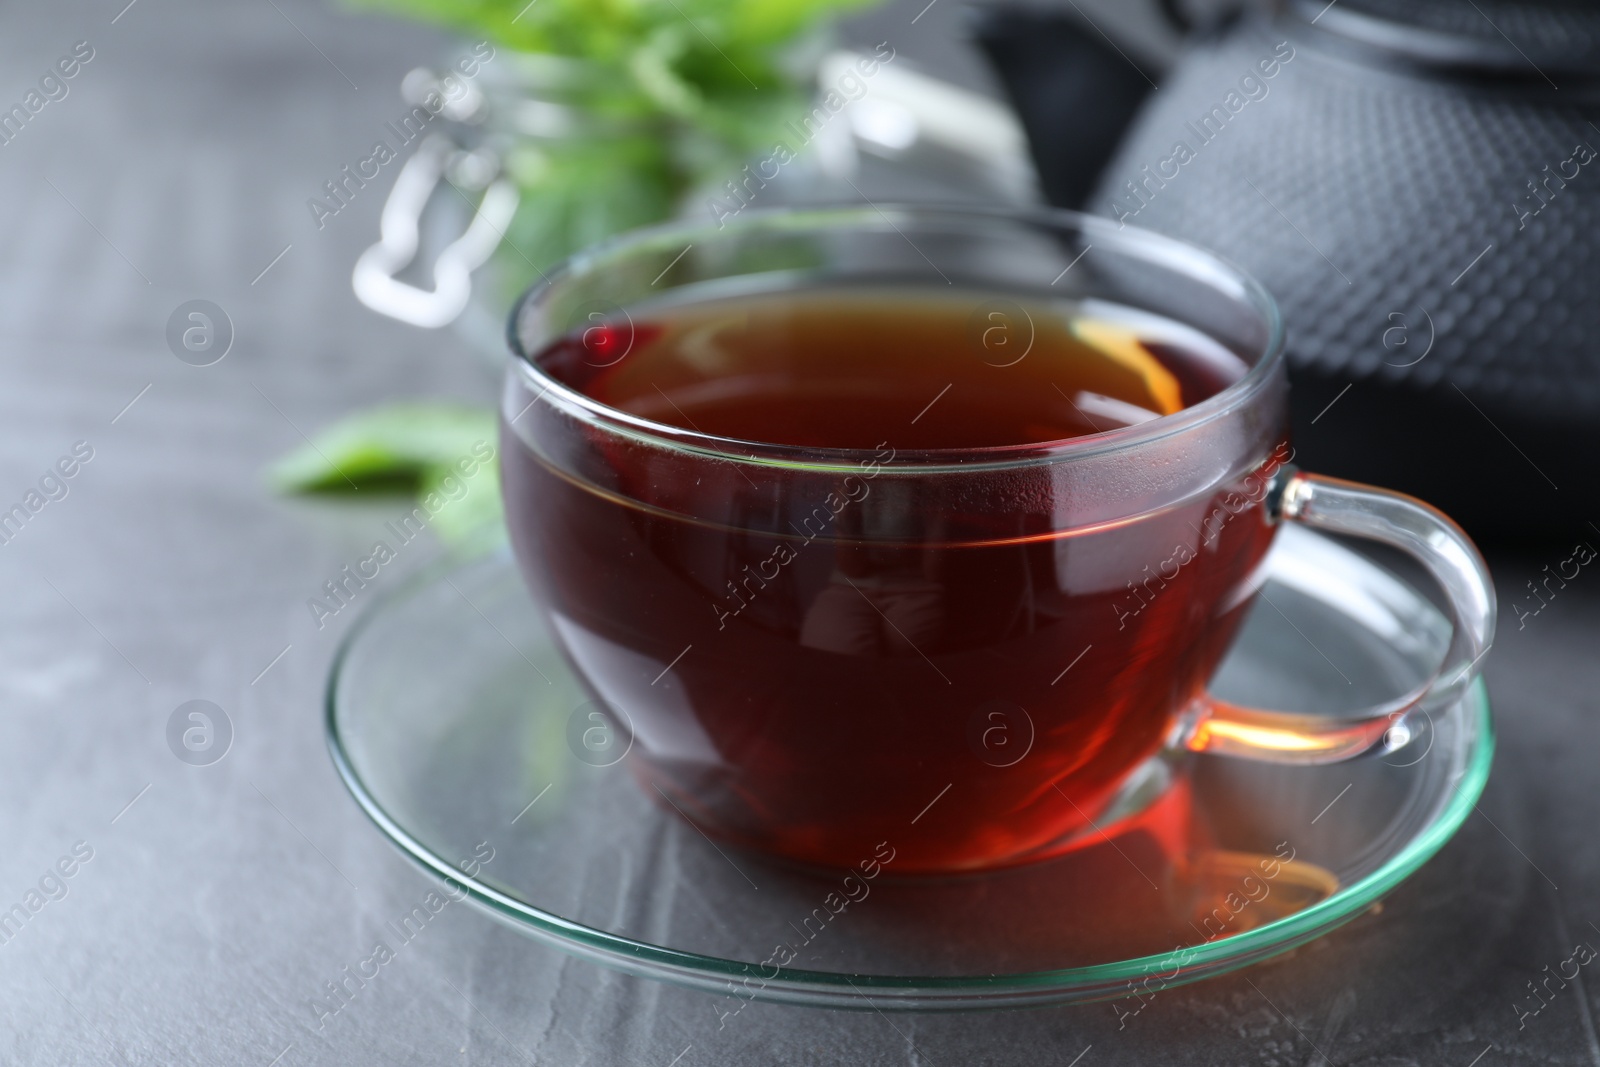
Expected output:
(1416, 181)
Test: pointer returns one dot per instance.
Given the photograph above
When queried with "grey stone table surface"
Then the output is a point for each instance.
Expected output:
(208, 906)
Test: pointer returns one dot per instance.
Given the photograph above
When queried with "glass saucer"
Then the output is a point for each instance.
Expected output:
(457, 725)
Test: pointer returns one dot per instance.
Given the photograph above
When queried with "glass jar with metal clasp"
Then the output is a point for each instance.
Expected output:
(459, 205)
(499, 187)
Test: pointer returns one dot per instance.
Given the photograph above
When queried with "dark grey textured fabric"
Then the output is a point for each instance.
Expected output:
(220, 900)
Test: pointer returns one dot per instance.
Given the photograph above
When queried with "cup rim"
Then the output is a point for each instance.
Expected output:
(1158, 248)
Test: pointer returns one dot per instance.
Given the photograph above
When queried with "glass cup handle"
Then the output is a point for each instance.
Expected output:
(1408, 524)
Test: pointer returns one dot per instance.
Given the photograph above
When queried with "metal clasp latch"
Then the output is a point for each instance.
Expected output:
(399, 229)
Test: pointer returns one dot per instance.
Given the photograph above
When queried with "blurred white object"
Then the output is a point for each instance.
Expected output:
(884, 122)
(955, 143)
(374, 278)
(910, 116)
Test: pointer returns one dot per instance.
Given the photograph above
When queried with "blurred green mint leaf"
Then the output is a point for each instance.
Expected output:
(467, 511)
(443, 456)
(391, 447)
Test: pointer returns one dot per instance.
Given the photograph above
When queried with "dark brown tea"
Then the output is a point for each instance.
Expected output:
(836, 369)
(819, 655)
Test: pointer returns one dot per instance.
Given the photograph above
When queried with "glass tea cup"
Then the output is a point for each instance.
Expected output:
(960, 657)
